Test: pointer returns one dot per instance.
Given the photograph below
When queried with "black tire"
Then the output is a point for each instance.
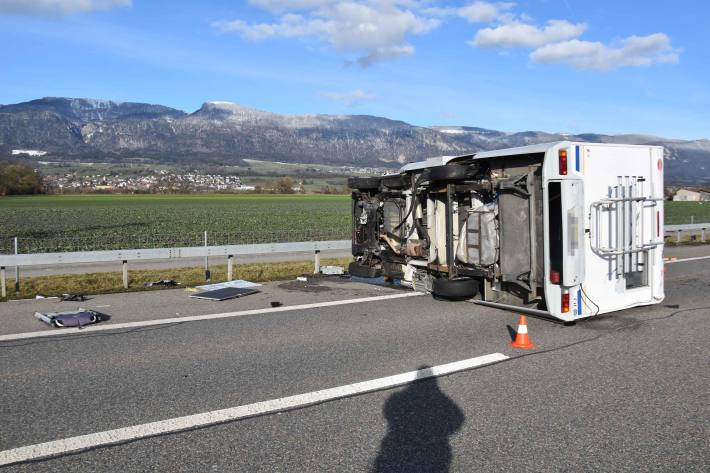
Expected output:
(460, 288)
(364, 183)
(451, 172)
(363, 271)
(395, 182)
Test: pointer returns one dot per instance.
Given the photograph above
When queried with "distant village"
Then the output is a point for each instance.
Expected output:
(170, 181)
(160, 181)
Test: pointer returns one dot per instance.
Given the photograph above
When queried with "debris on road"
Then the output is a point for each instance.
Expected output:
(72, 318)
(378, 281)
(304, 284)
(40, 296)
(332, 270)
(224, 293)
(74, 298)
(238, 283)
(162, 282)
(276, 304)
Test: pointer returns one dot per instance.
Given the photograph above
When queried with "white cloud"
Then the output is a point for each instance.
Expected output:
(379, 30)
(484, 12)
(558, 42)
(524, 35)
(632, 51)
(348, 98)
(58, 7)
(376, 29)
(289, 26)
(285, 5)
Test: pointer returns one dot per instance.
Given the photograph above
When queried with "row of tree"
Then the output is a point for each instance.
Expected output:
(18, 178)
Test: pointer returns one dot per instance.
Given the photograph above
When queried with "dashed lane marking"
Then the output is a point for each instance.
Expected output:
(696, 258)
(178, 424)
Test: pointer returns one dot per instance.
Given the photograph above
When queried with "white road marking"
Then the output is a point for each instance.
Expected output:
(194, 318)
(696, 258)
(109, 437)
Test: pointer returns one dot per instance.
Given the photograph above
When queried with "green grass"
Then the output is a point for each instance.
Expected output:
(103, 283)
(681, 212)
(95, 222)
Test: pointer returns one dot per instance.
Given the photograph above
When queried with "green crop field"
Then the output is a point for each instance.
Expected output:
(93, 222)
(678, 213)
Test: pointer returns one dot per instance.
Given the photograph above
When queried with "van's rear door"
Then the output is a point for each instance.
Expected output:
(566, 226)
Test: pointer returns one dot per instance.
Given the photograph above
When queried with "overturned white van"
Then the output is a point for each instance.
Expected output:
(565, 230)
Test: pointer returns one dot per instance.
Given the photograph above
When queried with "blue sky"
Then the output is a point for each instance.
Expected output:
(553, 65)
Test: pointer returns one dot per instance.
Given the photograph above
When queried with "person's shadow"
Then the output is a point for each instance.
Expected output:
(421, 418)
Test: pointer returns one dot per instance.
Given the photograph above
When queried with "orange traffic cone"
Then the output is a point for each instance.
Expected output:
(521, 337)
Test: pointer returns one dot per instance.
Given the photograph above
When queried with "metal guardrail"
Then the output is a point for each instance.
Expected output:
(42, 259)
(692, 228)
(686, 227)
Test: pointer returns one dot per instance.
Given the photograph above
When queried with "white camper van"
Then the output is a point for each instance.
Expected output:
(564, 230)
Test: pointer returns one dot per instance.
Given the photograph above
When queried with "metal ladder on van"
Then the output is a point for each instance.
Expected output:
(625, 210)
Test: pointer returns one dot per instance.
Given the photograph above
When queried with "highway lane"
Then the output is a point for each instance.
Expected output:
(622, 393)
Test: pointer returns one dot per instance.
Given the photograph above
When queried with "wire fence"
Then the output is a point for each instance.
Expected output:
(52, 244)
(684, 219)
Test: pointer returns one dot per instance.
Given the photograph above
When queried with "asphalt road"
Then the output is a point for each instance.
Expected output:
(627, 392)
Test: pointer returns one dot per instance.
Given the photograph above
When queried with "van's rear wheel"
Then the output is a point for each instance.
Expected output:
(460, 288)
(364, 183)
(450, 172)
(395, 182)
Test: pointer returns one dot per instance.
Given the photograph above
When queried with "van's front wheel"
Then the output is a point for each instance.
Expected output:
(460, 288)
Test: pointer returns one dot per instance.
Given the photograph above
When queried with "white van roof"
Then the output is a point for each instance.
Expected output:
(530, 149)
(441, 160)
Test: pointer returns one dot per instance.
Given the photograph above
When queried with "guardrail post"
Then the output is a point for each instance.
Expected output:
(229, 267)
(125, 274)
(17, 270)
(208, 276)
(316, 262)
(677, 236)
(702, 235)
(3, 288)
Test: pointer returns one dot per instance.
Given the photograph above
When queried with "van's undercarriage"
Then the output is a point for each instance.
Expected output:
(460, 229)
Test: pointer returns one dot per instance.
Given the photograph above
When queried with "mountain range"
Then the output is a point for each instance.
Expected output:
(226, 133)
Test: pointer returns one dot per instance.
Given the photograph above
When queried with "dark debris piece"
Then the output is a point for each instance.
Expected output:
(162, 282)
(74, 318)
(224, 293)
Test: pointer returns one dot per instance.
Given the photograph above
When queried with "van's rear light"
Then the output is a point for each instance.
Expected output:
(563, 162)
(554, 277)
(565, 302)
